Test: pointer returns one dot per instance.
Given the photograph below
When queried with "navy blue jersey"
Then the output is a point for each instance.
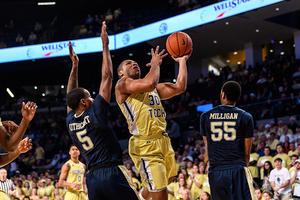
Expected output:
(93, 135)
(226, 128)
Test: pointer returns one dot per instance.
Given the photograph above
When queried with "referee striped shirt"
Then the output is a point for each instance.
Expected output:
(7, 185)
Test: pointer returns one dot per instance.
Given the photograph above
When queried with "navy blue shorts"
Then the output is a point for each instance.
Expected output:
(113, 183)
(231, 184)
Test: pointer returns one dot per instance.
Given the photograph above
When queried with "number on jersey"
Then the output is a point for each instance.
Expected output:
(86, 139)
(221, 129)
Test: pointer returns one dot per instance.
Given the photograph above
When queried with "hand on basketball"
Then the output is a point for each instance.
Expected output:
(157, 57)
(72, 54)
(28, 110)
(185, 57)
(25, 145)
(104, 35)
(77, 186)
(10, 126)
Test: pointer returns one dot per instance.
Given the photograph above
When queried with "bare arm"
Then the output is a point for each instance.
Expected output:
(205, 142)
(168, 90)
(24, 146)
(293, 178)
(63, 177)
(247, 150)
(107, 68)
(10, 143)
(73, 78)
(126, 86)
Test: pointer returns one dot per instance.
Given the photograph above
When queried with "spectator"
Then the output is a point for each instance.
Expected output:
(297, 133)
(116, 28)
(261, 161)
(286, 161)
(32, 38)
(267, 108)
(117, 13)
(186, 195)
(267, 195)
(108, 16)
(38, 27)
(266, 184)
(253, 164)
(255, 140)
(297, 73)
(90, 32)
(42, 190)
(260, 150)
(292, 125)
(174, 133)
(89, 20)
(82, 32)
(2, 45)
(272, 142)
(295, 178)
(280, 180)
(39, 152)
(267, 130)
(258, 193)
(286, 135)
(292, 150)
(19, 40)
(195, 182)
(295, 85)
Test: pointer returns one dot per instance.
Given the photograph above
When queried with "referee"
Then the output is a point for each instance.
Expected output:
(6, 185)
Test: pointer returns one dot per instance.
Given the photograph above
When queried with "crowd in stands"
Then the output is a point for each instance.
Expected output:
(117, 21)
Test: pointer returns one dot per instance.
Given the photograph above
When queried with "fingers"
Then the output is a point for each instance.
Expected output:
(156, 50)
(103, 26)
(163, 56)
(70, 48)
(161, 53)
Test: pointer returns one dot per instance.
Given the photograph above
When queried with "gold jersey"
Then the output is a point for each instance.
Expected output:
(144, 114)
(75, 175)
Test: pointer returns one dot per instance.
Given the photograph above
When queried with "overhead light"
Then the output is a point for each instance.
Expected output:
(294, 45)
(112, 56)
(35, 87)
(130, 54)
(277, 9)
(257, 30)
(10, 93)
(149, 54)
(239, 62)
(94, 92)
(228, 61)
(282, 53)
(235, 53)
(43, 94)
(174, 80)
(62, 86)
(280, 42)
(226, 23)
(46, 3)
(271, 50)
(215, 41)
(272, 41)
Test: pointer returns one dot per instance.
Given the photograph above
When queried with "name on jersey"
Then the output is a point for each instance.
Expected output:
(77, 171)
(81, 125)
(157, 112)
(223, 116)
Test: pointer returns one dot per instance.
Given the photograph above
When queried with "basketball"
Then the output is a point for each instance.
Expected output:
(179, 44)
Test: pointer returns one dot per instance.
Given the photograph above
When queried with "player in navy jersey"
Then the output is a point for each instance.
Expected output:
(89, 128)
(227, 133)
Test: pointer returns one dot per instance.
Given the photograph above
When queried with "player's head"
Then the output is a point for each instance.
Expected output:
(74, 152)
(230, 92)
(79, 98)
(129, 68)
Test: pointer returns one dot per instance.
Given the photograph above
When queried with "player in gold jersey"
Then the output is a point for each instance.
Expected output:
(139, 100)
(72, 176)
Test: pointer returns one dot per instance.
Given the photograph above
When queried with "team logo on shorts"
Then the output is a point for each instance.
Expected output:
(163, 28)
(126, 39)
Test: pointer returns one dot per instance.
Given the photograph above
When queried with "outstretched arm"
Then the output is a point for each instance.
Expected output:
(127, 85)
(107, 68)
(24, 146)
(73, 78)
(168, 90)
(10, 142)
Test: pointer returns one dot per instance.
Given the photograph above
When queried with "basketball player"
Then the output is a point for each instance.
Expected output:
(10, 133)
(89, 128)
(72, 176)
(227, 132)
(139, 100)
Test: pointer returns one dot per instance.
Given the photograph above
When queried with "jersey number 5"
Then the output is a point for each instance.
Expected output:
(218, 129)
(86, 139)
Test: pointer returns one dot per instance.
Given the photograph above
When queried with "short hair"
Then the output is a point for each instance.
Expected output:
(74, 96)
(72, 145)
(272, 133)
(232, 90)
(26, 197)
(268, 148)
(120, 67)
(278, 159)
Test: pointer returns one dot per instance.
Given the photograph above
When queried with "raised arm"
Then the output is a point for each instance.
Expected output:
(63, 178)
(126, 86)
(107, 68)
(24, 146)
(10, 142)
(168, 90)
(73, 78)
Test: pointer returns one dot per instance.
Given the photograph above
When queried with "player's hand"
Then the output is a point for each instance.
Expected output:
(184, 58)
(72, 54)
(77, 186)
(25, 145)
(10, 126)
(156, 57)
(28, 110)
(104, 36)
